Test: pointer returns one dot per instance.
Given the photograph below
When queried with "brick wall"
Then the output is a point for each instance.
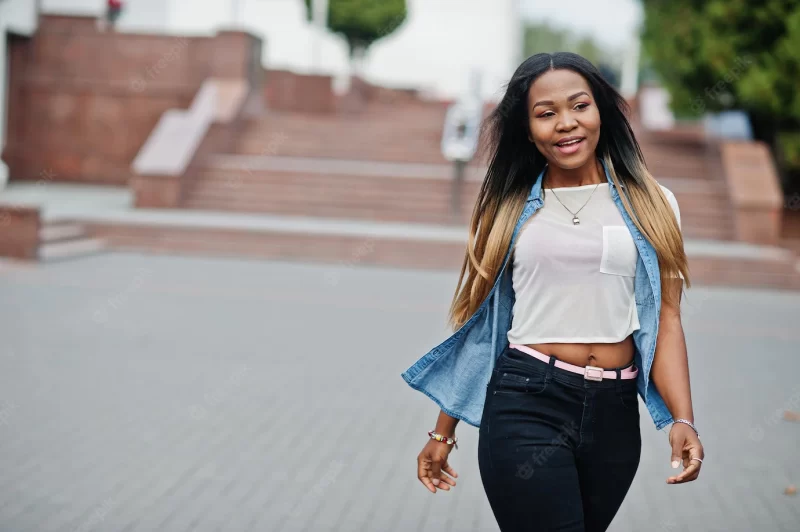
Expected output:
(288, 91)
(754, 190)
(82, 102)
(19, 232)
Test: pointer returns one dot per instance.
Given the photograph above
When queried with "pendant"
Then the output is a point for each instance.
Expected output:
(576, 221)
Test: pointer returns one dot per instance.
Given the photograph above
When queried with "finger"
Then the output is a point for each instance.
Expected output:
(423, 474)
(443, 485)
(450, 471)
(446, 479)
(690, 478)
(677, 451)
(693, 469)
(436, 471)
(687, 457)
(693, 449)
(428, 484)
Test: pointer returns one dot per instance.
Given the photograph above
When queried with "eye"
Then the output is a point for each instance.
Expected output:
(581, 106)
(547, 114)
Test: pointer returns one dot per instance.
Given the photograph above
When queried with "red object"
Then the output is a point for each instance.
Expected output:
(115, 4)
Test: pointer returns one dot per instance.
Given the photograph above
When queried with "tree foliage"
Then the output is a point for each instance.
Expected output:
(542, 38)
(362, 22)
(720, 54)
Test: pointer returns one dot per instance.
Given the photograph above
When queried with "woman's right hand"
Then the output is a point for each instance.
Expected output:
(431, 462)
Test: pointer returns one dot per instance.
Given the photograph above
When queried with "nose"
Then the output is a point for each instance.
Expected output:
(566, 123)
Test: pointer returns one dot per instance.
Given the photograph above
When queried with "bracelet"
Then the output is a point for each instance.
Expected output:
(444, 439)
(687, 422)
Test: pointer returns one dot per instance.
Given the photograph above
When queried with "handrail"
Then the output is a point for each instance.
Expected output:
(174, 141)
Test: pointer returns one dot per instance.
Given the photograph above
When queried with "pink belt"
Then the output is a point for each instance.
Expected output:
(591, 373)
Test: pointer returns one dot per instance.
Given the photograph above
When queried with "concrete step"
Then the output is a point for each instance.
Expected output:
(384, 133)
(68, 249)
(418, 246)
(247, 184)
(54, 232)
(792, 243)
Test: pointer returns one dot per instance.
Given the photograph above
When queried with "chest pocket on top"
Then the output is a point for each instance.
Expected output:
(619, 251)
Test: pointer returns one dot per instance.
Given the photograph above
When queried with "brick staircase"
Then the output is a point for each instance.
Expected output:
(65, 240)
(317, 192)
(791, 229)
(236, 187)
(400, 133)
(26, 235)
(333, 179)
(373, 188)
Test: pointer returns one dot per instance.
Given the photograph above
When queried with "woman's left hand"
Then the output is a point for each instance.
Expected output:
(685, 446)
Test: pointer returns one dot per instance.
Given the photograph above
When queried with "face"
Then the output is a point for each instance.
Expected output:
(564, 119)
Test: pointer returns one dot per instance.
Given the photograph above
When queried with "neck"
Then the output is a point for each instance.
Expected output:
(590, 173)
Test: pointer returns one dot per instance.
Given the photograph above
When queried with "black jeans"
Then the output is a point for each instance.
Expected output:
(556, 451)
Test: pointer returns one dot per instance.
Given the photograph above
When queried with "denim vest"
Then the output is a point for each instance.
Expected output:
(455, 373)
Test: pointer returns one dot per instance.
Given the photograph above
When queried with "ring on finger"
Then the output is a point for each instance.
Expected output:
(698, 459)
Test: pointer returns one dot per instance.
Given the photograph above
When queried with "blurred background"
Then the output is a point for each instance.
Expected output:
(227, 226)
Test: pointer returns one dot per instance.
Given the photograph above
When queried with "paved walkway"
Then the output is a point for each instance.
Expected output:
(173, 394)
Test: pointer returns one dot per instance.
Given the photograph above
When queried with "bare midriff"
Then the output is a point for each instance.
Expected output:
(605, 356)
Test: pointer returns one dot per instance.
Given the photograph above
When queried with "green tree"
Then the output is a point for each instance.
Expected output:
(362, 22)
(721, 54)
(540, 38)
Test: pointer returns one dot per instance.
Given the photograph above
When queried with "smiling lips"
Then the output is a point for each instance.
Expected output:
(569, 145)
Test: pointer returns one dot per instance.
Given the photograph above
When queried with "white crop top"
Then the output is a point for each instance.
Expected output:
(574, 283)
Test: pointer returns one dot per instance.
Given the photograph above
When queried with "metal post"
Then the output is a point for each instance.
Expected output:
(319, 9)
(458, 180)
(235, 12)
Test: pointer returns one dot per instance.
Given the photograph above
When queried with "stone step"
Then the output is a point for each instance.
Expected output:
(244, 184)
(353, 243)
(792, 244)
(69, 249)
(54, 232)
(695, 225)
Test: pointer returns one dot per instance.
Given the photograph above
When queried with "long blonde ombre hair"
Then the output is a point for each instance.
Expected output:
(514, 164)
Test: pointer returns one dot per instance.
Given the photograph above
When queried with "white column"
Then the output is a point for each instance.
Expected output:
(235, 6)
(630, 68)
(319, 12)
(3, 103)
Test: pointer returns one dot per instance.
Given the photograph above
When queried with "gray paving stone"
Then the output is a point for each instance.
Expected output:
(125, 406)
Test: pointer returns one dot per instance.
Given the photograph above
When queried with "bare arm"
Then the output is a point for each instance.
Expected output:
(670, 374)
(670, 370)
(446, 425)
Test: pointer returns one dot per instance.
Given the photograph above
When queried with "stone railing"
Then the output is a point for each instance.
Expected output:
(160, 167)
(754, 191)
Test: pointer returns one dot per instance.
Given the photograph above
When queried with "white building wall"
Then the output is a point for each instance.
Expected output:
(435, 49)
(445, 39)
(138, 15)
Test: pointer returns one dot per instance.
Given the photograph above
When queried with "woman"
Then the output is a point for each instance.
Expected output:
(568, 302)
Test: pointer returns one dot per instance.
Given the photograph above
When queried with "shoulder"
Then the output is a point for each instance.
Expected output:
(667, 192)
(669, 195)
(672, 200)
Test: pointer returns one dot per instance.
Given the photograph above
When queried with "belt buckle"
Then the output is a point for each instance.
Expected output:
(593, 373)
